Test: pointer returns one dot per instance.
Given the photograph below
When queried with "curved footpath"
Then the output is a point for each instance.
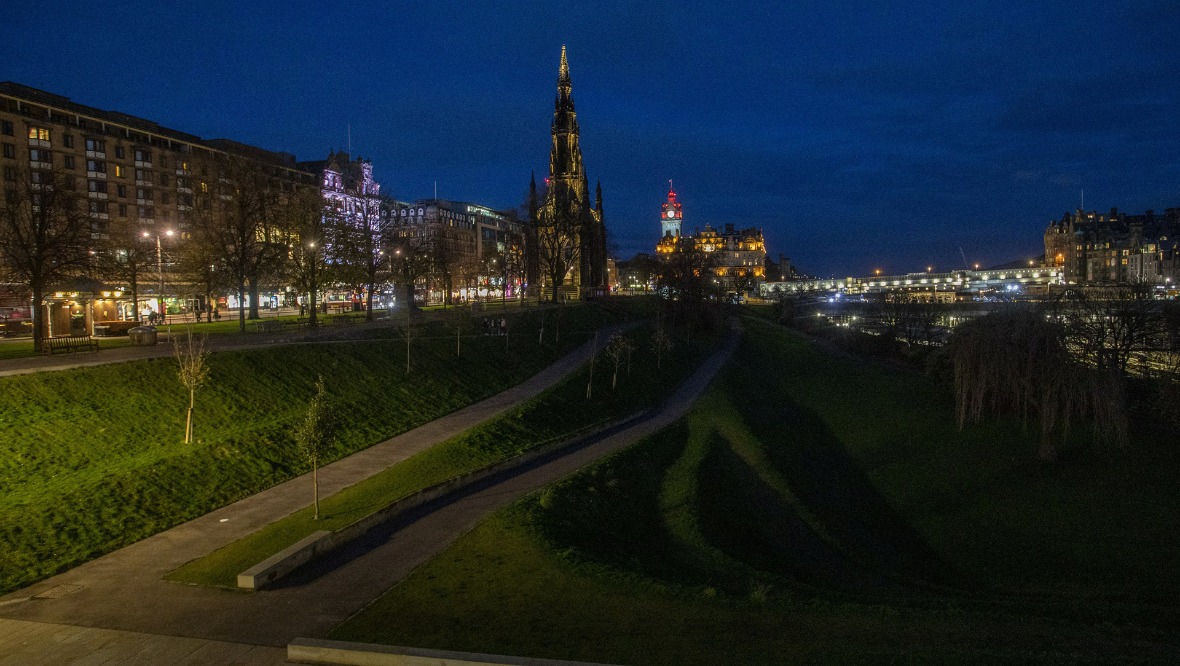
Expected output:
(124, 590)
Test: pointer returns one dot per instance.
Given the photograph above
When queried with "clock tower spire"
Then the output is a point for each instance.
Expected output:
(671, 215)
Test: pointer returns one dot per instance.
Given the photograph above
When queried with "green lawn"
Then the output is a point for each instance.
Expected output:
(92, 459)
(816, 507)
(554, 415)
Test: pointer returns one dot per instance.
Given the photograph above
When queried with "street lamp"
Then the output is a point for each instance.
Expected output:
(159, 269)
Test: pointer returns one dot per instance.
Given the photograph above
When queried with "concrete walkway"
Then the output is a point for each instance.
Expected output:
(23, 643)
(125, 590)
(217, 342)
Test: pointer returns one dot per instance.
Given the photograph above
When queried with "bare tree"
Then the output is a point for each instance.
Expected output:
(459, 320)
(618, 350)
(662, 342)
(559, 229)
(1110, 326)
(1017, 362)
(314, 436)
(193, 368)
(124, 255)
(202, 266)
(45, 233)
(309, 226)
(409, 330)
(239, 219)
(411, 259)
(360, 249)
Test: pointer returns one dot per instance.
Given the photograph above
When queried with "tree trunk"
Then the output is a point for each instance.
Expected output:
(458, 348)
(241, 306)
(188, 423)
(369, 302)
(135, 297)
(38, 313)
(407, 353)
(253, 300)
(313, 310)
(315, 485)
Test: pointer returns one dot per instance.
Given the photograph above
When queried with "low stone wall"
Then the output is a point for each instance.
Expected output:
(287, 560)
(284, 562)
(314, 651)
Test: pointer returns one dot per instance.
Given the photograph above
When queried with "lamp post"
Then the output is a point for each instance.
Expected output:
(159, 270)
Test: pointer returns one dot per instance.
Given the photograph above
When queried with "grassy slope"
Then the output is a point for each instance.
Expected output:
(91, 459)
(652, 556)
(557, 413)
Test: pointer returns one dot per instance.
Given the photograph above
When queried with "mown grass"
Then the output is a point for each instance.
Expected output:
(893, 537)
(92, 459)
(554, 415)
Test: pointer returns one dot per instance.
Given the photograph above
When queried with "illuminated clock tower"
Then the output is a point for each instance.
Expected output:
(671, 216)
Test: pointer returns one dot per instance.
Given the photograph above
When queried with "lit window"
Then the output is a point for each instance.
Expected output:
(120, 172)
(39, 133)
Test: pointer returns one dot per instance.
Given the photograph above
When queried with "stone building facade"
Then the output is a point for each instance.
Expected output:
(1115, 248)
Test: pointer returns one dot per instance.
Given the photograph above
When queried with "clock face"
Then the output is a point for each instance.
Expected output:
(671, 214)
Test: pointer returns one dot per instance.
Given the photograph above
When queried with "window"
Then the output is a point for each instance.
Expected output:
(122, 210)
(120, 172)
(69, 161)
(96, 165)
(39, 133)
(146, 212)
(164, 198)
(141, 193)
(143, 156)
(97, 186)
(6, 127)
(96, 145)
(139, 174)
(40, 155)
(119, 152)
(184, 166)
(164, 179)
(9, 151)
(68, 141)
(204, 187)
(97, 206)
(121, 190)
(9, 173)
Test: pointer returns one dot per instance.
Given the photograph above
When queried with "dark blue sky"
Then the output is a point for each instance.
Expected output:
(885, 135)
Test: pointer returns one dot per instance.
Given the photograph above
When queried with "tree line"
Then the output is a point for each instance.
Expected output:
(244, 231)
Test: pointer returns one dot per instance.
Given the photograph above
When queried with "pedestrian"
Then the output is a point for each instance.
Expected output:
(216, 314)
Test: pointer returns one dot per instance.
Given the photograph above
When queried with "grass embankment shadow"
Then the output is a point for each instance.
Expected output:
(741, 534)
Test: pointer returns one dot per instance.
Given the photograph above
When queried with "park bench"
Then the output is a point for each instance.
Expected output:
(70, 344)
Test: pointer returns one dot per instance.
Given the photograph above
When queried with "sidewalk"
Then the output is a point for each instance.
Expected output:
(23, 643)
(124, 590)
(216, 342)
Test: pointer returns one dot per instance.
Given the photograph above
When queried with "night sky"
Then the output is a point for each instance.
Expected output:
(886, 136)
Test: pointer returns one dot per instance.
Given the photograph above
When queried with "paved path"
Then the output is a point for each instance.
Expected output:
(124, 590)
(23, 643)
(217, 342)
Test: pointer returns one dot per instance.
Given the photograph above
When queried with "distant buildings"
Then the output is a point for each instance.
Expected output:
(737, 257)
(475, 251)
(1095, 249)
(140, 181)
